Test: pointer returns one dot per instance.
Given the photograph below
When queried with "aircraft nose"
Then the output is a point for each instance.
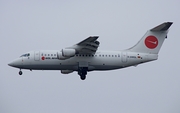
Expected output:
(11, 64)
(16, 63)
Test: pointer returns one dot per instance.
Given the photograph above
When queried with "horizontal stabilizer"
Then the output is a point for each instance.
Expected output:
(163, 27)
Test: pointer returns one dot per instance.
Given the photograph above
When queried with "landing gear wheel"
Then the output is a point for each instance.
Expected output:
(20, 72)
(83, 77)
(82, 72)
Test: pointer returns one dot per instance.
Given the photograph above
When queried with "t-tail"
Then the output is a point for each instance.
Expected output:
(152, 41)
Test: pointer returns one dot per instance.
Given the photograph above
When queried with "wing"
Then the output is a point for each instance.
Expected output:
(87, 46)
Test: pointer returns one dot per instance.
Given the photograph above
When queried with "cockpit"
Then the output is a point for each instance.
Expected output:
(25, 55)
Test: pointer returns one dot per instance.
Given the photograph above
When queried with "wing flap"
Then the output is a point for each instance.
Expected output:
(87, 51)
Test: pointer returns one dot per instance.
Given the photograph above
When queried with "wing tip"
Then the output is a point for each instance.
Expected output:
(93, 37)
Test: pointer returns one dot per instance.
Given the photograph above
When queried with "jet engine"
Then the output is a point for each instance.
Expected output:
(66, 71)
(66, 53)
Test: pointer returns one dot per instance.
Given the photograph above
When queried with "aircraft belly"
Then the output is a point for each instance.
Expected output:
(49, 67)
(107, 67)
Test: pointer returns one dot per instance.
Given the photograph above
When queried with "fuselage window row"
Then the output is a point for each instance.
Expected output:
(97, 55)
(78, 55)
(48, 54)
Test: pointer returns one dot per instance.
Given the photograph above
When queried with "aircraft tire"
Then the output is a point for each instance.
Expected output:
(20, 73)
(83, 77)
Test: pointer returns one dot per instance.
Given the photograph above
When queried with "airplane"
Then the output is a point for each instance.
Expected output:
(85, 56)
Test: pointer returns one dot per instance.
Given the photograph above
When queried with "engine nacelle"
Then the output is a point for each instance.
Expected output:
(66, 71)
(66, 53)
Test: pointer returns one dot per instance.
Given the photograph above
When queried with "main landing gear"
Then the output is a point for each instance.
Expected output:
(20, 72)
(82, 72)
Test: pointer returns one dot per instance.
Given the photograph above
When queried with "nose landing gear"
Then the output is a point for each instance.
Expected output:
(20, 72)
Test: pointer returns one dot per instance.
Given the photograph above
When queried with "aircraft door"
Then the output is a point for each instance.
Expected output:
(22, 60)
(36, 56)
(124, 57)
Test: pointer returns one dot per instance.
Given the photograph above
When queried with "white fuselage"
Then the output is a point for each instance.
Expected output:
(102, 60)
(84, 56)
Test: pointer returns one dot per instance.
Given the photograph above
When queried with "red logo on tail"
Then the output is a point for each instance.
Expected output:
(151, 42)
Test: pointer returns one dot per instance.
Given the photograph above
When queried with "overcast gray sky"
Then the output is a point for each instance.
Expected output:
(34, 25)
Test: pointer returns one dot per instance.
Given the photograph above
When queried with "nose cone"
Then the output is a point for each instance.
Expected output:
(11, 64)
(16, 63)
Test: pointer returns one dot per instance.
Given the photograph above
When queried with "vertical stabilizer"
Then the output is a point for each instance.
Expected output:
(152, 41)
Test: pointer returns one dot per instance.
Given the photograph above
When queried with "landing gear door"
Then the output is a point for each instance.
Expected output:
(83, 64)
(36, 56)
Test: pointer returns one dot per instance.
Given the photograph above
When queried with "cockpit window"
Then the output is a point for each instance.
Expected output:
(25, 55)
